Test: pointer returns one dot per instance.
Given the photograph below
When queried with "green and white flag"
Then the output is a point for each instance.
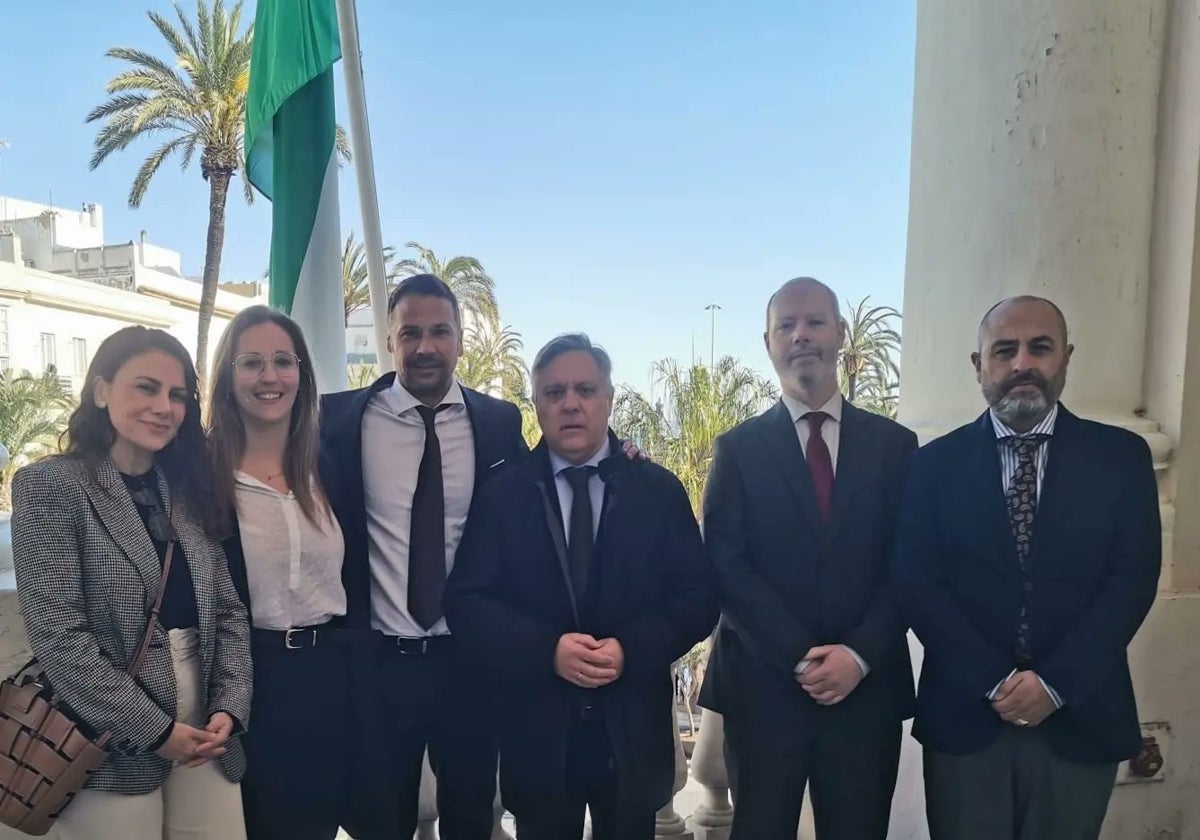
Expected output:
(291, 158)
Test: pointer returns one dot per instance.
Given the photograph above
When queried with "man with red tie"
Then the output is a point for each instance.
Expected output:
(810, 664)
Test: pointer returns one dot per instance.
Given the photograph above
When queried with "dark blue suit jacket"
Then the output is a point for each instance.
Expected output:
(1094, 568)
(509, 600)
(495, 427)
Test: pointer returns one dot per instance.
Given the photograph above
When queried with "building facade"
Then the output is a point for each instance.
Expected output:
(63, 290)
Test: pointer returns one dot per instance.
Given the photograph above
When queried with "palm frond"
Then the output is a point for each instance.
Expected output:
(141, 181)
(341, 142)
(696, 404)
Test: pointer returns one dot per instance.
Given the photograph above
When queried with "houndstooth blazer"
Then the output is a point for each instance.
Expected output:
(87, 576)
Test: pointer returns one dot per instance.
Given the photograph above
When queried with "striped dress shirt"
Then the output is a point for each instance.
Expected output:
(1008, 469)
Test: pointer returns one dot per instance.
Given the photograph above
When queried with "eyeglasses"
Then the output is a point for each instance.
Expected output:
(159, 525)
(253, 365)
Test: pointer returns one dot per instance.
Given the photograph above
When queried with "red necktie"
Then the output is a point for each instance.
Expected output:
(820, 464)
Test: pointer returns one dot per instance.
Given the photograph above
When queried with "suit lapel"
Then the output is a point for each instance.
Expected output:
(612, 471)
(352, 486)
(539, 463)
(1060, 456)
(855, 455)
(116, 511)
(481, 436)
(785, 452)
(988, 485)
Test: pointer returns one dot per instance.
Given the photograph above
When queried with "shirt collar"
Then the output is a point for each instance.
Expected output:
(559, 463)
(1046, 427)
(833, 407)
(398, 399)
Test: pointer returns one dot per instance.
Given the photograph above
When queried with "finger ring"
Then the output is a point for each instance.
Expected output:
(1021, 722)
(579, 676)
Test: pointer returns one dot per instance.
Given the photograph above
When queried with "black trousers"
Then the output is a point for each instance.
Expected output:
(304, 735)
(429, 695)
(1015, 789)
(851, 770)
(592, 784)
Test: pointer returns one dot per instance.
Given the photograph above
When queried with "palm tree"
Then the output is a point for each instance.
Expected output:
(476, 291)
(33, 412)
(361, 375)
(355, 287)
(196, 102)
(530, 430)
(698, 403)
(868, 373)
(492, 361)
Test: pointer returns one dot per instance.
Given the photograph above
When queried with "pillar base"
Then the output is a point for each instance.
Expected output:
(701, 831)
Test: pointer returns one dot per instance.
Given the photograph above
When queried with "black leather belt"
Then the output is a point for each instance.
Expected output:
(416, 646)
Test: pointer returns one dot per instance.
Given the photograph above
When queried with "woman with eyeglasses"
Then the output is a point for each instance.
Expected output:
(100, 533)
(285, 552)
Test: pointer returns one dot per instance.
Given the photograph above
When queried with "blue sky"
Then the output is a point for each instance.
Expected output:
(615, 166)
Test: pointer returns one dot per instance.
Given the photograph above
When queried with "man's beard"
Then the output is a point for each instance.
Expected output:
(1024, 411)
(431, 388)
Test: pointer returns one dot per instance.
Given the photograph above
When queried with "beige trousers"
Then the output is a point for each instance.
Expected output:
(195, 803)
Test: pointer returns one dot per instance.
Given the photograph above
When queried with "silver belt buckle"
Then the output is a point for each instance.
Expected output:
(287, 638)
(421, 650)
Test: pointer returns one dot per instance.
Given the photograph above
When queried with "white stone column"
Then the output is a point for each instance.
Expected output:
(427, 812)
(667, 823)
(712, 819)
(498, 830)
(1033, 170)
(1054, 152)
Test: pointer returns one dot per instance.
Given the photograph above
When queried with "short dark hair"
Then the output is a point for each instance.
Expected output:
(811, 281)
(983, 322)
(424, 284)
(570, 342)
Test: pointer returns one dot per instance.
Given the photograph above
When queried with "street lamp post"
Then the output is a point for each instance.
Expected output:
(712, 336)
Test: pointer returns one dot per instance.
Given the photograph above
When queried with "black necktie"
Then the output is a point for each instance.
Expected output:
(580, 545)
(1022, 500)
(427, 536)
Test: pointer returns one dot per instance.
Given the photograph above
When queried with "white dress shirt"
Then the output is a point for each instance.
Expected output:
(293, 567)
(393, 442)
(1008, 469)
(1008, 455)
(831, 433)
(566, 496)
(831, 429)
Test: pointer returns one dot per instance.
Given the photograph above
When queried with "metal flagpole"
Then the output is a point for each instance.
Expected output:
(364, 170)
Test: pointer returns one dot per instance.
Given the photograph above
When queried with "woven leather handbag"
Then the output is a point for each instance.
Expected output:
(46, 755)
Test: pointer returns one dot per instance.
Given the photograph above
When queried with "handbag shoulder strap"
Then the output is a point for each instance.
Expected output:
(135, 664)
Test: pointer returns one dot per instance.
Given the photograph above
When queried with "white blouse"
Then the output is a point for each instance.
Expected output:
(293, 567)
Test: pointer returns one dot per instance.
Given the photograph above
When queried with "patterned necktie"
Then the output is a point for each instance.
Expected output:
(1021, 498)
(581, 541)
(427, 534)
(820, 464)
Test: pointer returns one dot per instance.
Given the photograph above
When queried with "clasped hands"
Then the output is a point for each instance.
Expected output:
(190, 746)
(1022, 700)
(587, 662)
(831, 674)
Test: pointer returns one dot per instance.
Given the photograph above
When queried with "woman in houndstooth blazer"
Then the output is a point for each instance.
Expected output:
(90, 532)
